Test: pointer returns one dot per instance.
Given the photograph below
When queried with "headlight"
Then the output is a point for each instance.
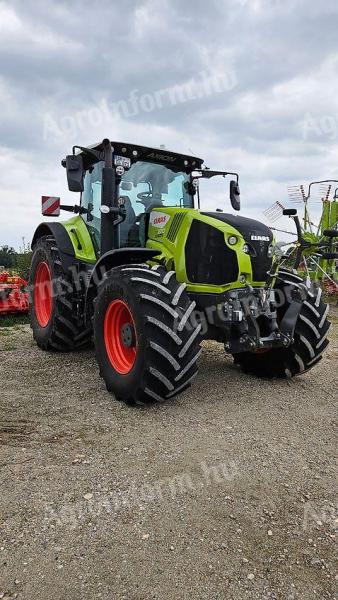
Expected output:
(232, 240)
(271, 250)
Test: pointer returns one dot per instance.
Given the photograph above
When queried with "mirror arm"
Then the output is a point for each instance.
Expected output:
(208, 173)
(78, 210)
(235, 174)
(95, 153)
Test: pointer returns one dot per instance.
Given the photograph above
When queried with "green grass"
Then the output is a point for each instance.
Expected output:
(4, 332)
(13, 320)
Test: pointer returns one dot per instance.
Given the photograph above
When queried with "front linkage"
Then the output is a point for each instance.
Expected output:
(253, 319)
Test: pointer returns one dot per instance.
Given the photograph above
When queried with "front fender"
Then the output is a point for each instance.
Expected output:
(111, 259)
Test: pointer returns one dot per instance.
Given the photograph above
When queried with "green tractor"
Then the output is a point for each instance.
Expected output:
(147, 273)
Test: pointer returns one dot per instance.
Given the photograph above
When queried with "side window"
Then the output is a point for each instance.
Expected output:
(91, 196)
(176, 193)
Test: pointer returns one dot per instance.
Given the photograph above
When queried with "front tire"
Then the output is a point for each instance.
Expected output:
(146, 348)
(310, 337)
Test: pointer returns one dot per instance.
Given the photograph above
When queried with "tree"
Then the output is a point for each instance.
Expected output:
(22, 263)
(7, 257)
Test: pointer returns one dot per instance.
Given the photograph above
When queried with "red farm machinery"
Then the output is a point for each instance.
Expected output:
(13, 294)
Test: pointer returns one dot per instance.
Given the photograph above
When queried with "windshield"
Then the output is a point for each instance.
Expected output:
(148, 185)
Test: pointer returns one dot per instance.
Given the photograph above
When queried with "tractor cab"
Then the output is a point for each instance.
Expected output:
(122, 183)
(143, 187)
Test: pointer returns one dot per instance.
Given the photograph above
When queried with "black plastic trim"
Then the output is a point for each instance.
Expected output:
(62, 240)
(124, 256)
(114, 258)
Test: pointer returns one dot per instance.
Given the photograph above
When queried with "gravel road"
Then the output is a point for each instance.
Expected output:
(229, 492)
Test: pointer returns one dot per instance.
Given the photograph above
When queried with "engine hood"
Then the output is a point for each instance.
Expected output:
(249, 228)
(257, 235)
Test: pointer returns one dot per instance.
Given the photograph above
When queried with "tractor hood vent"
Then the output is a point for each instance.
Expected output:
(175, 226)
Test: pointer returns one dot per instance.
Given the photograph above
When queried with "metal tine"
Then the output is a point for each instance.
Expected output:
(296, 193)
(324, 192)
(274, 212)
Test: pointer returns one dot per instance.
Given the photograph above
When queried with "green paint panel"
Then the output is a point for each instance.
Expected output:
(81, 239)
(168, 232)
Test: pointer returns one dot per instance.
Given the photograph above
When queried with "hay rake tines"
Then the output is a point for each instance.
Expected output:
(274, 212)
(323, 193)
(296, 193)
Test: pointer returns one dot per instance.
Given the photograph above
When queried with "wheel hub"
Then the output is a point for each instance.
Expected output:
(128, 335)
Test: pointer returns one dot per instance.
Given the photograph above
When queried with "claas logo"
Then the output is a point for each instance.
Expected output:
(158, 219)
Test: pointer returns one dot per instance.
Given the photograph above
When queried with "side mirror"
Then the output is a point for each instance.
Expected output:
(50, 206)
(235, 197)
(191, 187)
(75, 172)
(289, 212)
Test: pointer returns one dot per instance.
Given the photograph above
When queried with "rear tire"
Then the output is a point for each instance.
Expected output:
(310, 337)
(154, 357)
(53, 310)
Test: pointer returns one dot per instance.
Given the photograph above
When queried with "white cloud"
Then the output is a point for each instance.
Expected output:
(63, 60)
(9, 21)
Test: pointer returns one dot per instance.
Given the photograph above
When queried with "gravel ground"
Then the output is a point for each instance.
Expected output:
(229, 492)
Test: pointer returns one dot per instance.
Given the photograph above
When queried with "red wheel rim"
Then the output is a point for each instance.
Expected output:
(120, 337)
(43, 299)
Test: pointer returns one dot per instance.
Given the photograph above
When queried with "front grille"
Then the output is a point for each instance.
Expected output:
(175, 226)
(208, 259)
(260, 263)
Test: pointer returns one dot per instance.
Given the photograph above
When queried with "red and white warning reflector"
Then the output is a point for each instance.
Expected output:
(50, 206)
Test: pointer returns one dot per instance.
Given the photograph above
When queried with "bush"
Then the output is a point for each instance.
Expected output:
(22, 264)
(17, 262)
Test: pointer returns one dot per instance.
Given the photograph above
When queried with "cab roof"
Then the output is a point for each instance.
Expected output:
(135, 152)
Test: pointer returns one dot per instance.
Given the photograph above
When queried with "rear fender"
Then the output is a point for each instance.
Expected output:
(63, 242)
(72, 239)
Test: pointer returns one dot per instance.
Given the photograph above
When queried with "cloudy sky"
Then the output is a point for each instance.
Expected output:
(249, 85)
